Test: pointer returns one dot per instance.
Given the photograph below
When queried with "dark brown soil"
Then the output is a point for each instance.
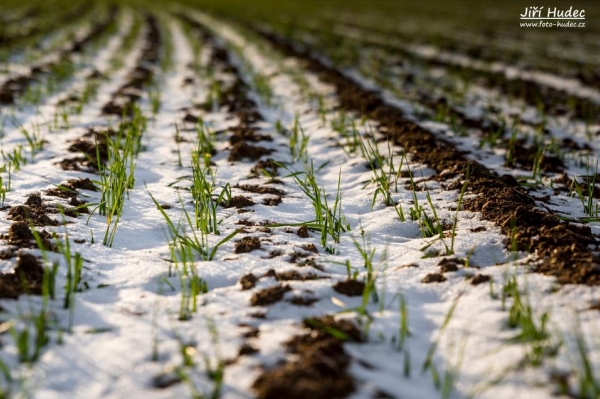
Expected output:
(19, 231)
(247, 349)
(239, 201)
(248, 281)
(320, 370)
(562, 248)
(26, 279)
(247, 244)
(251, 188)
(289, 275)
(269, 296)
(302, 232)
(272, 201)
(310, 248)
(433, 278)
(303, 301)
(34, 214)
(350, 287)
(450, 264)
(242, 150)
(479, 279)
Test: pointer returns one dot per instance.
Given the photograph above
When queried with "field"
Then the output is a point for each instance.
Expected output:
(298, 199)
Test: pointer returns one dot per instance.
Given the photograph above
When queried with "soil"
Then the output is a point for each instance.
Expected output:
(479, 279)
(350, 287)
(260, 189)
(27, 278)
(450, 264)
(294, 275)
(433, 278)
(302, 232)
(303, 301)
(270, 295)
(248, 281)
(239, 201)
(272, 201)
(247, 244)
(320, 369)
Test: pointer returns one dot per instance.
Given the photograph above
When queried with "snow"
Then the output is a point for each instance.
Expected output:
(133, 301)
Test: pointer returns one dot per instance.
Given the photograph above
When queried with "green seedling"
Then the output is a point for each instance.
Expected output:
(198, 244)
(298, 142)
(328, 219)
(34, 138)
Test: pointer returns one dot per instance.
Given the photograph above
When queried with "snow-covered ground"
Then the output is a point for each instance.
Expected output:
(127, 339)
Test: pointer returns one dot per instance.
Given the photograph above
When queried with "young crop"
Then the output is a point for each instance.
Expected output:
(192, 241)
(263, 88)
(191, 284)
(328, 219)
(116, 178)
(34, 138)
(15, 158)
(590, 208)
(531, 331)
(205, 148)
(205, 199)
(382, 179)
(298, 142)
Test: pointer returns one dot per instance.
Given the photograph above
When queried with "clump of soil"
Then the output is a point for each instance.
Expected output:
(239, 201)
(450, 264)
(165, 380)
(479, 279)
(350, 287)
(245, 133)
(247, 244)
(269, 295)
(27, 278)
(248, 281)
(247, 349)
(243, 150)
(320, 370)
(251, 188)
(272, 201)
(303, 301)
(434, 278)
(34, 200)
(81, 184)
(34, 214)
(302, 232)
(294, 275)
(310, 248)
(19, 231)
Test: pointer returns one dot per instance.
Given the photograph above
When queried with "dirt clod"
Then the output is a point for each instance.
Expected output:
(247, 349)
(434, 278)
(239, 201)
(349, 287)
(26, 279)
(247, 244)
(19, 231)
(480, 278)
(320, 370)
(248, 281)
(270, 295)
(450, 264)
(302, 232)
